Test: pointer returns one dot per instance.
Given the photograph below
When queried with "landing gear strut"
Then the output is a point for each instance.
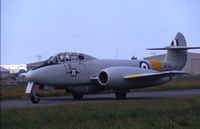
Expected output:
(35, 98)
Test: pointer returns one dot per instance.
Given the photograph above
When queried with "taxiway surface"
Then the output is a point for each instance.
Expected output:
(96, 98)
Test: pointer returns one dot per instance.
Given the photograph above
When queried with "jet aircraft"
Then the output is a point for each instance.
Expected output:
(83, 74)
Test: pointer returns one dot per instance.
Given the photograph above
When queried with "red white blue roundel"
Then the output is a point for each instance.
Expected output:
(144, 65)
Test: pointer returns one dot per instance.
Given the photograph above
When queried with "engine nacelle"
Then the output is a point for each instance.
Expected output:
(113, 77)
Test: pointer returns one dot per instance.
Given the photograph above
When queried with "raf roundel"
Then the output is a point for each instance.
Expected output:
(175, 42)
(144, 65)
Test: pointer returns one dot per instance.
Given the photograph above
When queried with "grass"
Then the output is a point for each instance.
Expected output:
(180, 113)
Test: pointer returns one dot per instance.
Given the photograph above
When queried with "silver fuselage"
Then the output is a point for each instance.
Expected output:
(76, 75)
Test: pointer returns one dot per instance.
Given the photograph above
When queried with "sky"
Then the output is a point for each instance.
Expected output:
(105, 29)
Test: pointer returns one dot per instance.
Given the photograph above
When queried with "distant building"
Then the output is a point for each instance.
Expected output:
(192, 65)
(4, 73)
(33, 65)
(15, 68)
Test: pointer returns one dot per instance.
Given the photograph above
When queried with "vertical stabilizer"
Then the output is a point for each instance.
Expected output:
(176, 55)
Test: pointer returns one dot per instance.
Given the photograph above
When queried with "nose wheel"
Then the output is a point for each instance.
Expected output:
(35, 98)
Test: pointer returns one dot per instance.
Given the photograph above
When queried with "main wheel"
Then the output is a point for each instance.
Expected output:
(77, 96)
(35, 98)
(120, 95)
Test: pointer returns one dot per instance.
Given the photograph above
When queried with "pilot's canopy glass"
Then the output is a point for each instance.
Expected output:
(67, 56)
(74, 56)
(62, 57)
(81, 57)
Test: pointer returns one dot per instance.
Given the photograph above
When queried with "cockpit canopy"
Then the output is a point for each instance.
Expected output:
(67, 56)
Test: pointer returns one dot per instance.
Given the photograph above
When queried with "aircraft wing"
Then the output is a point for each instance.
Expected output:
(174, 48)
(94, 78)
(152, 75)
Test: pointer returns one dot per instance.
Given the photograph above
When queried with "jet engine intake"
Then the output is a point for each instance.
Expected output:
(113, 77)
(103, 78)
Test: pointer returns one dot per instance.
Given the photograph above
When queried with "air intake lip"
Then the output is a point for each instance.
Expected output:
(103, 78)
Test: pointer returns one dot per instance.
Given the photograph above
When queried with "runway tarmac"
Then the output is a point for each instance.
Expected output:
(97, 98)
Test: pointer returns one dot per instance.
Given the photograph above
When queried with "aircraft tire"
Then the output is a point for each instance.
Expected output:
(35, 98)
(120, 95)
(77, 96)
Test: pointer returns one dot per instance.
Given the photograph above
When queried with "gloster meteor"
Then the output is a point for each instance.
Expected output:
(83, 74)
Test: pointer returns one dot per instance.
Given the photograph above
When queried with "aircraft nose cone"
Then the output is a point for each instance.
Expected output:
(49, 75)
(34, 76)
(29, 76)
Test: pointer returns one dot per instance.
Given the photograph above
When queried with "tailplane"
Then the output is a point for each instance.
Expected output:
(177, 52)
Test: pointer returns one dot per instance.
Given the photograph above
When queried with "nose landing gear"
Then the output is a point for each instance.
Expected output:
(35, 98)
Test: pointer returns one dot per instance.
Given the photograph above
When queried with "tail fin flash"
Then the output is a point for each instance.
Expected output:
(178, 41)
(177, 52)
